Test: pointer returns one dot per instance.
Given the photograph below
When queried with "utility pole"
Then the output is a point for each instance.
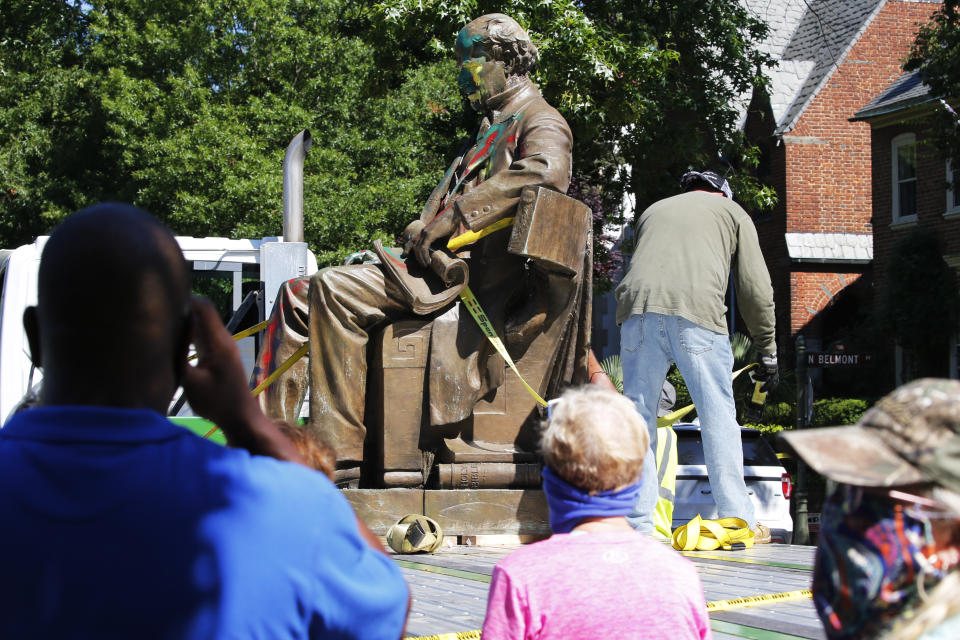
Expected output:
(801, 532)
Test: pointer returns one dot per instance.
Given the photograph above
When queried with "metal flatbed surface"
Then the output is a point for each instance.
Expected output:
(449, 590)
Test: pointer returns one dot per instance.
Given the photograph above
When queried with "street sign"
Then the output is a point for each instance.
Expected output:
(842, 359)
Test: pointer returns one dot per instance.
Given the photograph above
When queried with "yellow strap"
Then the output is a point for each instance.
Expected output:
(243, 334)
(469, 237)
(706, 535)
(252, 330)
(471, 303)
(289, 362)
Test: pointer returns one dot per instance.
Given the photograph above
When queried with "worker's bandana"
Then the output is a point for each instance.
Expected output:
(871, 560)
(569, 505)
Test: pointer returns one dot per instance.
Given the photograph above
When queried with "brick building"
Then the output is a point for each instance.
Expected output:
(834, 57)
(916, 208)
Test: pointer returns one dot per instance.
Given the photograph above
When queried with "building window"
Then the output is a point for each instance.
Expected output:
(953, 189)
(904, 177)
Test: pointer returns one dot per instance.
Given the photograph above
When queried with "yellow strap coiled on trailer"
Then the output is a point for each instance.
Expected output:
(706, 535)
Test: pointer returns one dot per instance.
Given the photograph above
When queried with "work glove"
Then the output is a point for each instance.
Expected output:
(767, 372)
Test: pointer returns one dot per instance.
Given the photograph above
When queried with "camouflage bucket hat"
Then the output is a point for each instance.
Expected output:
(911, 436)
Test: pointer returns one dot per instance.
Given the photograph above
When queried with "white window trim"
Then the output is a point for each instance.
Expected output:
(902, 140)
(951, 210)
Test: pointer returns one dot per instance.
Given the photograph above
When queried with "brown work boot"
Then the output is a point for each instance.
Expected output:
(761, 534)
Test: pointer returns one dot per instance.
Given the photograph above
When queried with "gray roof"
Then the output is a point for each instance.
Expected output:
(830, 247)
(906, 91)
(809, 38)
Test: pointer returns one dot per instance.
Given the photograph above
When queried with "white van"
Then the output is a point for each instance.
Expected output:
(268, 260)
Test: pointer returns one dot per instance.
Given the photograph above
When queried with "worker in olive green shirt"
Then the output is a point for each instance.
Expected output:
(670, 306)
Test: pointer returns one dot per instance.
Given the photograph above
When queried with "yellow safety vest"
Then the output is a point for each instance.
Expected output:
(667, 481)
(666, 457)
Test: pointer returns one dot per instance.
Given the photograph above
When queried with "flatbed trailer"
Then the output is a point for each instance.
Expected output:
(761, 593)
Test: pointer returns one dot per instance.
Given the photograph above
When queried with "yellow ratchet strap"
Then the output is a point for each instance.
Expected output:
(471, 303)
(729, 534)
(279, 371)
(469, 237)
(289, 362)
(243, 334)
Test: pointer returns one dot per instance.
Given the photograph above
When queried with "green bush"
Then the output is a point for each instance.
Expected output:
(837, 411)
(766, 429)
(780, 413)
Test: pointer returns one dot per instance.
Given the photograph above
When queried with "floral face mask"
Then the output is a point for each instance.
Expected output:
(873, 561)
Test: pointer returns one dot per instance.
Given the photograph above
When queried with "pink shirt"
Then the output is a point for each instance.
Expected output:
(596, 585)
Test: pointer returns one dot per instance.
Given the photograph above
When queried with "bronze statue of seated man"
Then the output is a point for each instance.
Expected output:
(522, 142)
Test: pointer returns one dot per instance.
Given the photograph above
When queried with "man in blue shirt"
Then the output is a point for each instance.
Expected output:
(115, 523)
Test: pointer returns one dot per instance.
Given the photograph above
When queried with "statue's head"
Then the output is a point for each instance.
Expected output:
(493, 52)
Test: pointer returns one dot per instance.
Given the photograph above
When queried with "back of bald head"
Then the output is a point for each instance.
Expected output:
(113, 295)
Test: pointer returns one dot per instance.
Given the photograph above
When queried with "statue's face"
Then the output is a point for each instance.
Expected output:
(480, 77)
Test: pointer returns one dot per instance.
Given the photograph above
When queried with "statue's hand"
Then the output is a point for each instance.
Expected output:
(442, 226)
(410, 236)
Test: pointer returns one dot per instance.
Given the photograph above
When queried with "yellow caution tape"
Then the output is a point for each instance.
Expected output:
(463, 635)
(469, 237)
(472, 305)
(750, 601)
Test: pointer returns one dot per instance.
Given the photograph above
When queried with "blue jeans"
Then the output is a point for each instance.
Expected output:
(649, 343)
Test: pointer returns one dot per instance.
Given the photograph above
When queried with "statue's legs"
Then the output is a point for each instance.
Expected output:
(345, 303)
(334, 309)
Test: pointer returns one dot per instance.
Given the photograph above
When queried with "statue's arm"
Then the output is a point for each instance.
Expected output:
(543, 158)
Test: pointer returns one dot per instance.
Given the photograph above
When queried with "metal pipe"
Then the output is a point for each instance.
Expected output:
(293, 186)
(801, 528)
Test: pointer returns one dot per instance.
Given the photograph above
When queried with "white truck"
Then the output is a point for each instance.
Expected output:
(270, 261)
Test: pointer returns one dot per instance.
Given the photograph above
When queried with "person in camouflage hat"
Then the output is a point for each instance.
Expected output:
(889, 543)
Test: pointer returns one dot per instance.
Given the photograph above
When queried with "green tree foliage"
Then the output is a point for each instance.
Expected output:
(186, 108)
(936, 53)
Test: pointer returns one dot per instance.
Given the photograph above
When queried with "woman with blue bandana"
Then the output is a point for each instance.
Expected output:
(596, 576)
